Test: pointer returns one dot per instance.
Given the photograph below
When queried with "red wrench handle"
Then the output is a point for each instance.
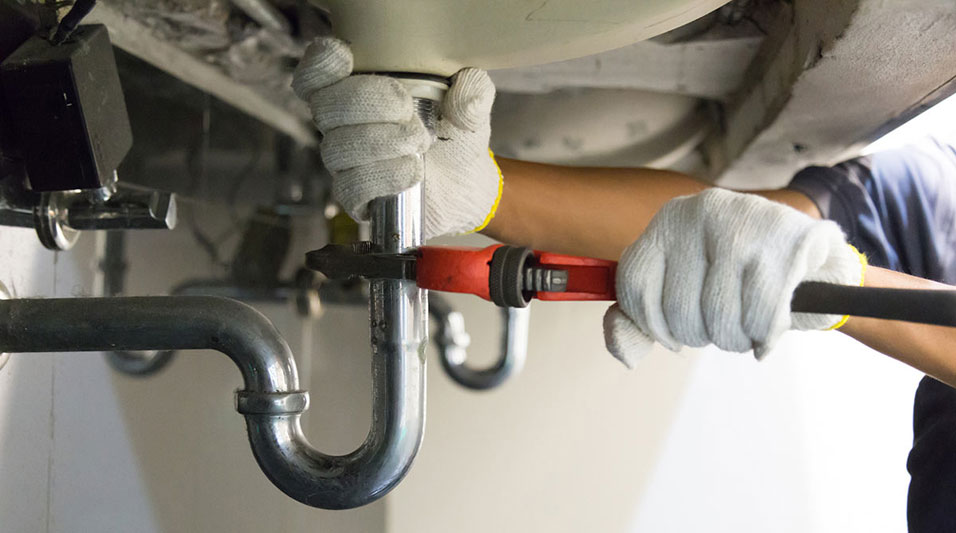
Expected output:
(467, 270)
(588, 278)
(455, 269)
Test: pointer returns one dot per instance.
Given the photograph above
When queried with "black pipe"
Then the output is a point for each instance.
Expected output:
(153, 323)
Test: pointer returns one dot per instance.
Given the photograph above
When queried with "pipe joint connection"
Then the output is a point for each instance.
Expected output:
(271, 403)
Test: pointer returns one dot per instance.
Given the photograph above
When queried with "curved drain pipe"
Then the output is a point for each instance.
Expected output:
(271, 400)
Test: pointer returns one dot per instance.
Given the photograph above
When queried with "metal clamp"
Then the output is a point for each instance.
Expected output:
(50, 221)
(58, 217)
(271, 403)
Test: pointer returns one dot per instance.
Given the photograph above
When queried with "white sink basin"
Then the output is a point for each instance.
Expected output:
(441, 36)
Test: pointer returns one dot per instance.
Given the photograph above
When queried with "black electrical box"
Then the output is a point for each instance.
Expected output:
(66, 110)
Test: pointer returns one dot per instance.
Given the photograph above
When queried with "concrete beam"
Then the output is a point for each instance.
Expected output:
(833, 75)
(711, 69)
(137, 39)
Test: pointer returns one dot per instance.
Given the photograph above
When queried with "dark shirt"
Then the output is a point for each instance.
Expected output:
(899, 208)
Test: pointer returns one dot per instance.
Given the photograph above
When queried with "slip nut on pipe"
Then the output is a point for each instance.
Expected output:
(506, 276)
(276, 403)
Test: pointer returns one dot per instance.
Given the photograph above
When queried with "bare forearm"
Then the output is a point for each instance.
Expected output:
(598, 212)
(594, 212)
(924, 347)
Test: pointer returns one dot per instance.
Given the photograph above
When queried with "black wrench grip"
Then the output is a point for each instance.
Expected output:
(937, 307)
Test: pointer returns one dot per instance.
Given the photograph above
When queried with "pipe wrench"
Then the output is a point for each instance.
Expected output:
(512, 276)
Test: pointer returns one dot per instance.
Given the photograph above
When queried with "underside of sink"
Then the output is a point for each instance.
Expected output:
(440, 37)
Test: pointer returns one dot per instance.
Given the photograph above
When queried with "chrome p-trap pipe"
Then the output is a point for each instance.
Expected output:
(271, 400)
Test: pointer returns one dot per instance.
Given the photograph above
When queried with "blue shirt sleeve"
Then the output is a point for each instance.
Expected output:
(897, 207)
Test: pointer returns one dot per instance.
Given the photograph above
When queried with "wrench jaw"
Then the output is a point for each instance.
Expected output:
(360, 260)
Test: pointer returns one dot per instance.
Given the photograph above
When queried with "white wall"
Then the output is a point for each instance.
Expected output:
(814, 439)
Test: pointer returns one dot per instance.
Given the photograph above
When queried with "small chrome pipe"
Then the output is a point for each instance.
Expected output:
(453, 341)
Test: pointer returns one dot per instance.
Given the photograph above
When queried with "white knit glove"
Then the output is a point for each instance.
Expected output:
(720, 268)
(373, 140)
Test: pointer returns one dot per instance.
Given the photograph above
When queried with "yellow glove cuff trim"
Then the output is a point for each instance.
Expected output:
(863, 264)
(494, 207)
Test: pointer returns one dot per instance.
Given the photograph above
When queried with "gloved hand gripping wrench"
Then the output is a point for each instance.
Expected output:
(512, 276)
